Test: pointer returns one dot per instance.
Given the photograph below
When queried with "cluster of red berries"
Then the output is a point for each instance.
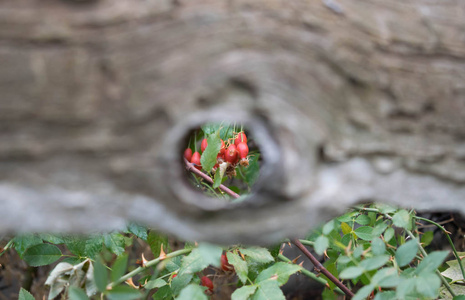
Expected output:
(234, 152)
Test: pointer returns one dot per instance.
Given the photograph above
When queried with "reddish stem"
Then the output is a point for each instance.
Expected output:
(190, 167)
(321, 269)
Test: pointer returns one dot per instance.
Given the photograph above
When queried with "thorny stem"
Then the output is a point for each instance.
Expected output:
(422, 250)
(190, 167)
(450, 242)
(311, 275)
(147, 265)
(320, 268)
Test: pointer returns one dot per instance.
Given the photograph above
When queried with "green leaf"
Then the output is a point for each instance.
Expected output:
(402, 219)
(379, 229)
(279, 272)
(240, 266)
(428, 284)
(138, 230)
(252, 172)
(389, 234)
(192, 292)
(210, 253)
(25, 295)
(406, 252)
(351, 272)
(321, 244)
(378, 247)
(385, 208)
(51, 238)
(331, 268)
(427, 238)
(268, 290)
(459, 297)
(405, 286)
(374, 262)
(123, 292)
(328, 227)
(155, 283)
(24, 241)
(389, 295)
(208, 158)
(348, 217)
(453, 272)
(431, 262)
(364, 233)
(114, 242)
(100, 276)
(200, 258)
(345, 228)
(75, 293)
(386, 278)
(155, 241)
(119, 267)
(364, 292)
(173, 264)
(163, 293)
(244, 292)
(218, 177)
(84, 246)
(257, 254)
(41, 255)
(363, 220)
(358, 252)
(343, 260)
(180, 282)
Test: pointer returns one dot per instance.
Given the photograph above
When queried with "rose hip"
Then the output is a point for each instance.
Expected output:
(231, 154)
(188, 154)
(203, 145)
(240, 138)
(196, 160)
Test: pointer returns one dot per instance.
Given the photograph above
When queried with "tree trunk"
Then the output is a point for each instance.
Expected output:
(350, 101)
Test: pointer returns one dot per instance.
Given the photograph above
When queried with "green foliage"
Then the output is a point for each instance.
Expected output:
(41, 255)
(25, 295)
(208, 158)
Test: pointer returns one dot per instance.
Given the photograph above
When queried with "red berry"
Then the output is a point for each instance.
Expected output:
(222, 148)
(240, 138)
(196, 160)
(231, 154)
(188, 154)
(174, 276)
(203, 145)
(243, 150)
(206, 282)
(225, 265)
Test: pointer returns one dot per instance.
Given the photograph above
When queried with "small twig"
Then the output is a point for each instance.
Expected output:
(191, 168)
(311, 275)
(320, 268)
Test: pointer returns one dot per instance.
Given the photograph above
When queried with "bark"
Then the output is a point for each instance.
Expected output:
(350, 101)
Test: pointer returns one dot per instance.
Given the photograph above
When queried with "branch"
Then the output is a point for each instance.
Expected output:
(147, 265)
(321, 269)
(311, 275)
(191, 168)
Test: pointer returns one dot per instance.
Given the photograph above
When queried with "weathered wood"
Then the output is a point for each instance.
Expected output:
(351, 101)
